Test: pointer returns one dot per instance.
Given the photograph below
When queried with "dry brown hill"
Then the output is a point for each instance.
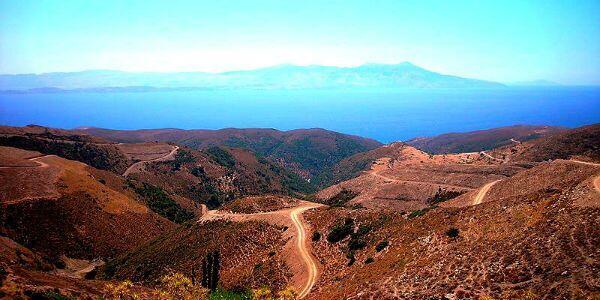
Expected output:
(93, 151)
(536, 236)
(481, 140)
(404, 178)
(217, 175)
(582, 142)
(191, 177)
(250, 255)
(63, 207)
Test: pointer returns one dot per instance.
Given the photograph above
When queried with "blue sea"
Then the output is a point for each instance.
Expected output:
(385, 115)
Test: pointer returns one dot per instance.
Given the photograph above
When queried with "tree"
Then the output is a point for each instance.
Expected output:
(211, 265)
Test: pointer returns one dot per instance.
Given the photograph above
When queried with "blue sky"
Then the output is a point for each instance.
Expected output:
(494, 40)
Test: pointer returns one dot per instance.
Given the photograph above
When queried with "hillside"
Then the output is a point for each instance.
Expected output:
(403, 75)
(61, 207)
(191, 177)
(217, 175)
(307, 152)
(250, 255)
(531, 238)
(400, 177)
(519, 221)
(481, 140)
(354, 165)
(93, 151)
(579, 142)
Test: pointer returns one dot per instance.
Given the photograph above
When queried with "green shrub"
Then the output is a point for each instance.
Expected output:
(382, 245)
(159, 202)
(420, 212)
(351, 258)
(316, 236)
(341, 198)
(356, 244)
(182, 157)
(363, 230)
(452, 232)
(198, 172)
(341, 231)
(221, 294)
(47, 295)
(443, 195)
(221, 156)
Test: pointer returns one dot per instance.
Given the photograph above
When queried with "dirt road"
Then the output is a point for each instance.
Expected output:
(138, 165)
(390, 180)
(481, 194)
(41, 164)
(489, 156)
(304, 252)
(597, 178)
(301, 249)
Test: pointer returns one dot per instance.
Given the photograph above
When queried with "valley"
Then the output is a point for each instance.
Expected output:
(303, 214)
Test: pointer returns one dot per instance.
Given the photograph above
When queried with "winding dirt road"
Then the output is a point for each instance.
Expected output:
(597, 178)
(41, 164)
(304, 252)
(138, 165)
(293, 215)
(481, 194)
(390, 180)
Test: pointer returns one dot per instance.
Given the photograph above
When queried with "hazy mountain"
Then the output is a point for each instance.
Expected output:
(403, 75)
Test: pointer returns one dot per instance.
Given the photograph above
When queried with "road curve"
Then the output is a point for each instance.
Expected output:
(304, 251)
(139, 164)
(390, 180)
(481, 194)
(597, 178)
(301, 246)
(41, 164)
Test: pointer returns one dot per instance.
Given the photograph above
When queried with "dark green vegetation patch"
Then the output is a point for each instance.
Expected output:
(159, 202)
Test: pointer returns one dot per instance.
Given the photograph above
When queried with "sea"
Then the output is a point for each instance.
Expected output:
(385, 115)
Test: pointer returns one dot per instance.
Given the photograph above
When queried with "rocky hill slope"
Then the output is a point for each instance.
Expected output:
(481, 140)
(307, 152)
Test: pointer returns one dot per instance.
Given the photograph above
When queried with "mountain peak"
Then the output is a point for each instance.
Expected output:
(284, 76)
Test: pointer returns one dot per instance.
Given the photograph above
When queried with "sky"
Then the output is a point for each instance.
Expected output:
(504, 41)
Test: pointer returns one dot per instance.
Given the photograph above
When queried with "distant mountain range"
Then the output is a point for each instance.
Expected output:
(403, 75)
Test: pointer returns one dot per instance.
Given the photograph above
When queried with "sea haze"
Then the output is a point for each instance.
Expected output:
(386, 115)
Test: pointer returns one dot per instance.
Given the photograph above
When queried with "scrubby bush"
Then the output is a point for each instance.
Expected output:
(287, 294)
(363, 229)
(171, 286)
(159, 202)
(382, 245)
(351, 258)
(177, 286)
(263, 293)
(341, 231)
(452, 232)
(420, 212)
(198, 172)
(316, 236)
(221, 294)
(341, 198)
(221, 156)
(443, 195)
(182, 157)
(356, 244)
